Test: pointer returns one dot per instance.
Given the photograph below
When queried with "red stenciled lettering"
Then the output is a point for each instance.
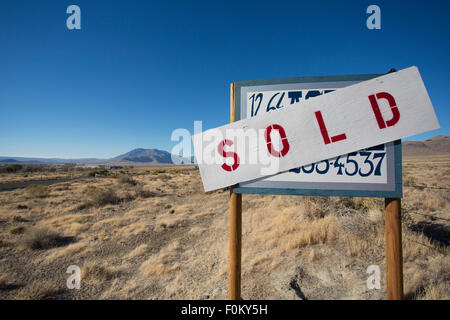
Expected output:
(324, 131)
(376, 109)
(284, 141)
(225, 154)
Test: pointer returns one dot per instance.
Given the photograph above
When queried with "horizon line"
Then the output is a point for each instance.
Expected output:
(107, 158)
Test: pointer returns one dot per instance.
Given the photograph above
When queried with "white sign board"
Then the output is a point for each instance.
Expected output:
(372, 172)
(362, 115)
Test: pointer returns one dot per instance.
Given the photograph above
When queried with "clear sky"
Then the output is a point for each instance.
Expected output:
(137, 70)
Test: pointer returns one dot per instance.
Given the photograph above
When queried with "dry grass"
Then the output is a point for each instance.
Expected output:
(138, 251)
(17, 230)
(69, 251)
(101, 196)
(4, 282)
(126, 179)
(376, 216)
(17, 218)
(39, 290)
(38, 191)
(431, 283)
(163, 263)
(439, 291)
(160, 236)
(36, 176)
(319, 231)
(142, 193)
(94, 272)
(42, 238)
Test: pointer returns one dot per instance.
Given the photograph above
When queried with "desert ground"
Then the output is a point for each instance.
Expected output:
(152, 233)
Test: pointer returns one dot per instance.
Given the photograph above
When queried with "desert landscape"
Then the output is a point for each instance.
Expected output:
(150, 232)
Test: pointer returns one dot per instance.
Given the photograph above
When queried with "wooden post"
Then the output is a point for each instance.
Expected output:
(234, 275)
(394, 257)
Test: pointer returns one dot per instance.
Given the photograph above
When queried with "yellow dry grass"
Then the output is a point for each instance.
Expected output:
(163, 263)
(155, 234)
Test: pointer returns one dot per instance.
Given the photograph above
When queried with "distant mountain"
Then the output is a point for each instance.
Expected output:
(140, 155)
(438, 145)
(8, 160)
(31, 160)
(144, 156)
(153, 156)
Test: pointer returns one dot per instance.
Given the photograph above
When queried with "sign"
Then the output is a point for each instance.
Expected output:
(372, 172)
(365, 114)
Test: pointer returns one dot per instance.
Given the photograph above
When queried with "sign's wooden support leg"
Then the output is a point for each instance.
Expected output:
(234, 276)
(394, 257)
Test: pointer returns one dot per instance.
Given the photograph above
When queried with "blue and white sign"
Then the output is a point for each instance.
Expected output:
(372, 172)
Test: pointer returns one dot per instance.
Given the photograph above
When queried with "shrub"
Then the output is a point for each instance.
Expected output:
(4, 284)
(67, 167)
(18, 218)
(129, 196)
(42, 238)
(38, 191)
(28, 169)
(101, 196)
(140, 192)
(126, 179)
(40, 290)
(409, 181)
(359, 203)
(12, 168)
(317, 207)
(17, 230)
(158, 171)
(98, 273)
(98, 172)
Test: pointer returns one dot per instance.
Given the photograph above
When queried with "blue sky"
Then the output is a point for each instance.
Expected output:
(137, 70)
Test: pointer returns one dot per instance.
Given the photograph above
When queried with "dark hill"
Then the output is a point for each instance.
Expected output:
(144, 156)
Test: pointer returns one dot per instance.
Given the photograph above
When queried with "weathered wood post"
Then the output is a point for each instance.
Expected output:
(234, 275)
(394, 256)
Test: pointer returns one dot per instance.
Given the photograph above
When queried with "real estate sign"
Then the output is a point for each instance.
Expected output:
(327, 123)
(374, 172)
